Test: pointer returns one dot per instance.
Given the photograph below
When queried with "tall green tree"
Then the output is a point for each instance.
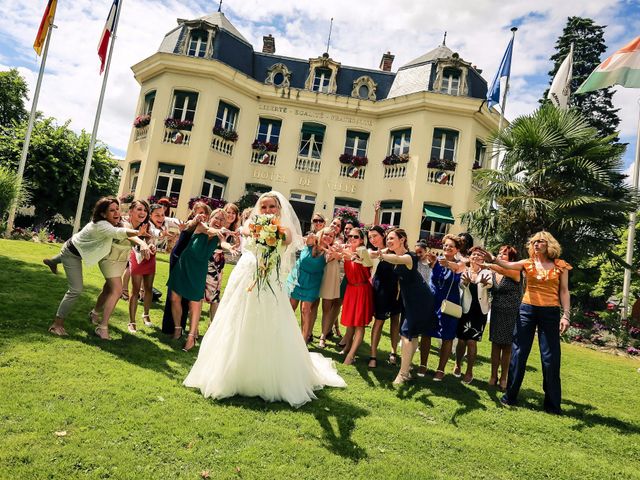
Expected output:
(55, 166)
(558, 175)
(588, 47)
(13, 95)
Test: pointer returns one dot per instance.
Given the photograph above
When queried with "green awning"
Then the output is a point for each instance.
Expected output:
(438, 214)
(313, 128)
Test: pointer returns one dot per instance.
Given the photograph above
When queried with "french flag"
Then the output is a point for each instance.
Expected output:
(107, 33)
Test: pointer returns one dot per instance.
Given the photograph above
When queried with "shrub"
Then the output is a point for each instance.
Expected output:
(11, 190)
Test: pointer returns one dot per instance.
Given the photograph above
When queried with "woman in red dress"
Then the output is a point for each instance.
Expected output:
(357, 306)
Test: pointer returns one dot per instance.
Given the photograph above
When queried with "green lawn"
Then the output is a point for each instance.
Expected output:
(120, 410)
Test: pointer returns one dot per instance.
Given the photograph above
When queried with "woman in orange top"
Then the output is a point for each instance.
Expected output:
(545, 297)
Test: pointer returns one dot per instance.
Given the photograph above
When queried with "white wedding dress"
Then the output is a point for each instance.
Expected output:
(254, 347)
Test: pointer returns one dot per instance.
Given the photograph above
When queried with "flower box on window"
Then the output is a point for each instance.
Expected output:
(212, 202)
(227, 134)
(356, 161)
(142, 121)
(126, 198)
(178, 124)
(264, 146)
(394, 159)
(348, 214)
(442, 164)
(153, 199)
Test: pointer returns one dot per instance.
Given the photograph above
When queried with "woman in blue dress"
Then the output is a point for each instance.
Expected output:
(303, 283)
(445, 284)
(417, 299)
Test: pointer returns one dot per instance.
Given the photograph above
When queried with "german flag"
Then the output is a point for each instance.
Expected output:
(45, 24)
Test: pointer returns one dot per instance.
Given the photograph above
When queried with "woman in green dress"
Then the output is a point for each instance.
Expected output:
(188, 277)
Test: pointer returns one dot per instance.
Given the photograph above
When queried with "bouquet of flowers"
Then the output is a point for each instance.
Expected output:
(265, 236)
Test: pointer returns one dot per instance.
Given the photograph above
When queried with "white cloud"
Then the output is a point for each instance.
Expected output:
(363, 30)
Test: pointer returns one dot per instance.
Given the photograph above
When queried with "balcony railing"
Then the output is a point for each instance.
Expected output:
(221, 145)
(307, 164)
(261, 157)
(441, 177)
(141, 133)
(349, 171)
(395, 171)
(177, 137)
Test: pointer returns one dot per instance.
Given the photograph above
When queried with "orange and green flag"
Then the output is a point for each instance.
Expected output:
(45, 24)
(621, 68)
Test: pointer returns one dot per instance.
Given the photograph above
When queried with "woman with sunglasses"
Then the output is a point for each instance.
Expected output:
(303, 283)
(546, 296)
(445, 285)
(357, 307)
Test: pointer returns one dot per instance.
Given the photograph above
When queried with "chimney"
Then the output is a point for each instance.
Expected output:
(268, 44)
(386, 62)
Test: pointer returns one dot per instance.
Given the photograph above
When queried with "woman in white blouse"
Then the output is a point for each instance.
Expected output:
(91, 244)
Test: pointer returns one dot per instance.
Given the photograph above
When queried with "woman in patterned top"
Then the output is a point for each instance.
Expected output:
(505, 305)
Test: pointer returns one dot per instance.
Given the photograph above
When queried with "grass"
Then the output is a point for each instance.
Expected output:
(121, 411)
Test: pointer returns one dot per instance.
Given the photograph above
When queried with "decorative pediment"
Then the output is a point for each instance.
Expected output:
(194, 27)
(326, 63)
(365, 88)
(278, 75)
(450, 65)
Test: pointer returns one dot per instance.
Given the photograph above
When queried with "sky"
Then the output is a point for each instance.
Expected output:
(362, 31)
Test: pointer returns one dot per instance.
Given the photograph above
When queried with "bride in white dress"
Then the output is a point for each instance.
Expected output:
(254, 347)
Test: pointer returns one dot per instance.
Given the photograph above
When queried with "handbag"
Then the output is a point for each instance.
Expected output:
(448, 307)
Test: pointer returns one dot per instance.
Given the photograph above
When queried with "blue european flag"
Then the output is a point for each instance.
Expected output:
(493, 94)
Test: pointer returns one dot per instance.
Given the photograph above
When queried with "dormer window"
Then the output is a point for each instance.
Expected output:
(450, 82)
(323, 72)
(198, 41)
(321, 80)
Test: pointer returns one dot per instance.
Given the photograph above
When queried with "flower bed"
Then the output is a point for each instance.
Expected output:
(394, 159)
(178, 124)
(142, 121)
(604, 329)
(348, 214)
(227, 134)
(356, 161)
(264, 146)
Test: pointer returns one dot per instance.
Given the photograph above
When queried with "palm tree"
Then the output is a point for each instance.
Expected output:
(559, 175)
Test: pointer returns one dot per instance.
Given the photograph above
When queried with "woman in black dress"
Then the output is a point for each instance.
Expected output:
(386, 301)
(476, 281)
(505, 307)
(417, 298)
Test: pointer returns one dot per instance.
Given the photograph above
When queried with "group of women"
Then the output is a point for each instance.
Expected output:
(361, 276)
(125, 250)
(377, 276)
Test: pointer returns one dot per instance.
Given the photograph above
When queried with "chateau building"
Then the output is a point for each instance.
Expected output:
(217, 118)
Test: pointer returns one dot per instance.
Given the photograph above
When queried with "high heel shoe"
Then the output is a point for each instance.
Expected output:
(177, 333)
(94, 317)
(186, 347)
(147, 321)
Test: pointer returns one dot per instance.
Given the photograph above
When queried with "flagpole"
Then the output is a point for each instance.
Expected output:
(32, 117)
(503, 104)
(626, 285)
(96, 122)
